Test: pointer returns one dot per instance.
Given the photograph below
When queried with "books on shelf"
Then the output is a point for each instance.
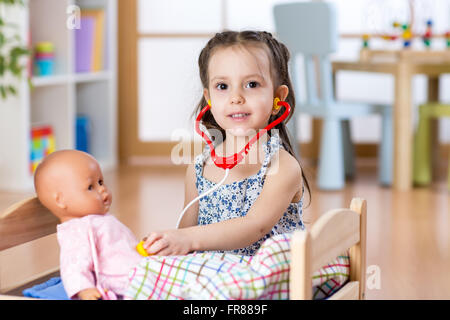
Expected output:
(90, 41)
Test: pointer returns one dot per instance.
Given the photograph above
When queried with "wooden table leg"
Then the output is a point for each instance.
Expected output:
(402, 179)
(433, 96)
(315, 139)
(317, 122)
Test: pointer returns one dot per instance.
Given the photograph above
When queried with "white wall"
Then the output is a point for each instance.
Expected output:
(169, 87)
(14, 116)
(169, 84)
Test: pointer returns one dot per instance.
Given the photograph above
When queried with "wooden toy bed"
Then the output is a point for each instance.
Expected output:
(334, 232)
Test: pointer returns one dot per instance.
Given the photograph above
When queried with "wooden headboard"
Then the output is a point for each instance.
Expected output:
(25, 221)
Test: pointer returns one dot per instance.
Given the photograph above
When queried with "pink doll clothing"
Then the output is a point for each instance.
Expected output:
(116, 253)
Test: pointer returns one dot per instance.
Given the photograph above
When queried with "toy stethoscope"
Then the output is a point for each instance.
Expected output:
(228, 163)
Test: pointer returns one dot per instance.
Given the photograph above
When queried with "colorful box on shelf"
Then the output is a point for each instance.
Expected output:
(44, 58)
(42, 144)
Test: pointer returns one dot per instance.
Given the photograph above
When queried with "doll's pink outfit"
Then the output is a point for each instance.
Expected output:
(116, 254)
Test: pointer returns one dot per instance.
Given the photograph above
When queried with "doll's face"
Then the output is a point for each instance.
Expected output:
(86, 193)
(70, 183)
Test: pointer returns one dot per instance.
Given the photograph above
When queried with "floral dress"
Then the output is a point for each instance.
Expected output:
(235, 199)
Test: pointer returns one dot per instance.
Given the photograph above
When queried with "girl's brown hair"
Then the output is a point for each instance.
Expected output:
(279, 57)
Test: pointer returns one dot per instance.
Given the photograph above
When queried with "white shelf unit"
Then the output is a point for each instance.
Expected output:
(56, 100)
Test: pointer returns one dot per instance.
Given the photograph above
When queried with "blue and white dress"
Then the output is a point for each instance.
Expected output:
(235, 199)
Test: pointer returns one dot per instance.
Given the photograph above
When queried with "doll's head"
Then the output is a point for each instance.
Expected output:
(70, 184)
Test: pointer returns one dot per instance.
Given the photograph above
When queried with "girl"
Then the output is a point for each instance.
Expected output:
(241, 73)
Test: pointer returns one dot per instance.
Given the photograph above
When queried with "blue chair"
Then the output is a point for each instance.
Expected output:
(310, 29)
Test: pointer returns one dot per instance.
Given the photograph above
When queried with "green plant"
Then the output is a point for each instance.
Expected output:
(11, 49)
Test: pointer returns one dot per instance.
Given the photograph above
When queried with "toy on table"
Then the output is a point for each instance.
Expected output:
(428, 34)
(42, 144)
(365, 38)
(447, 38)
(389, 37)
(406, 33)
(44, 58)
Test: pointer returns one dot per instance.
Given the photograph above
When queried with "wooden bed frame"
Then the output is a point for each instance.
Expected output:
(333, 233)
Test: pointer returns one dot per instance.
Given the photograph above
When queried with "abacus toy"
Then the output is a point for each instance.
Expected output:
(366, 38)
(406, 33)
(428, 34)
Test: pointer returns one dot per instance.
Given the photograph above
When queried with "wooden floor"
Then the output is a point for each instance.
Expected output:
(408, 245)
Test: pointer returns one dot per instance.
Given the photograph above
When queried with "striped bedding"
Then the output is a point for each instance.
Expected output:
(212, 275)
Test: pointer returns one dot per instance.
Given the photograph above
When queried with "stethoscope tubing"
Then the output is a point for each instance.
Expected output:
(228, 163)
(227, 171)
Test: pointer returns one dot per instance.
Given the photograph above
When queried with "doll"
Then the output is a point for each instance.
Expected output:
(70, 184)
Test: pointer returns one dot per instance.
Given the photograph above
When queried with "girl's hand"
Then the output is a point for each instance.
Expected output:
(89, 294)
(166, 243)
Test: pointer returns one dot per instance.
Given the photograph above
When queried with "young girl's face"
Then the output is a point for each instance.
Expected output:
(241, 89)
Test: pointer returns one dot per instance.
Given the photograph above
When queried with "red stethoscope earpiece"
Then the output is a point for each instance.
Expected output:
(231, 161)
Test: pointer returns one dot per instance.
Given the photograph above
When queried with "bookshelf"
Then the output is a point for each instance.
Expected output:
(57, 99)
